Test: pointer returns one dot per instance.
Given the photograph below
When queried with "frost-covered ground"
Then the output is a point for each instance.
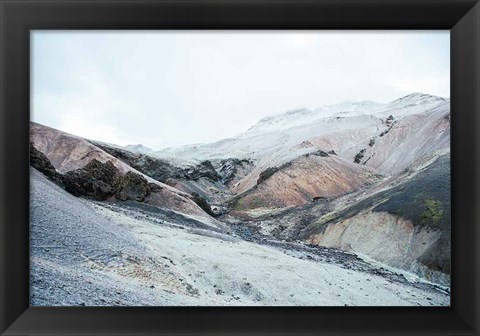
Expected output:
(88, 253)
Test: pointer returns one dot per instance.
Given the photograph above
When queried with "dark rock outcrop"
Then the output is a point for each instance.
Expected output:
(132, 186)
(154, 187)
(267, 173)
(390, 123)
(389, 120)
(359, 156)
(40, 162)
(95, 180)
(101, 181)
(202, 203)
(229, 168)
(157, 169)
(223, 171)
(318, 153)
(203, 170)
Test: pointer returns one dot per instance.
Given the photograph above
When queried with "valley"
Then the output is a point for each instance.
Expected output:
(347, 204)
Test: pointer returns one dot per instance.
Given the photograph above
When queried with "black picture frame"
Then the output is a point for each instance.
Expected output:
(18, 17)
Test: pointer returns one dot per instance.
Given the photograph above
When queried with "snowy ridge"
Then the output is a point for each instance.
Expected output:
(138, 149)
(299, 117)
(298, 121)
(341, 127)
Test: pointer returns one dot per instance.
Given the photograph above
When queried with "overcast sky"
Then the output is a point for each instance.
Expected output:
(165, 88)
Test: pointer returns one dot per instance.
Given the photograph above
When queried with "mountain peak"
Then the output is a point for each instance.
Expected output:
(418, 96)
(304, 115)
(138, 148)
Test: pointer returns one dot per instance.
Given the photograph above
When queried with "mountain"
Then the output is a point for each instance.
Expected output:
(405, 226)
(333, 156)
(139, 148)
(368, 138)
(387, 137)
(69, 153)
(366, 178)
(345, 123)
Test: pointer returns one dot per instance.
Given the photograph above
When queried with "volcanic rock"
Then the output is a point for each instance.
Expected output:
(95, 180)
(40, 162)
(132, 186)
(204, 169)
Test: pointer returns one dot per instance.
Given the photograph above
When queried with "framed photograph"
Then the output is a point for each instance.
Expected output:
(228, 167)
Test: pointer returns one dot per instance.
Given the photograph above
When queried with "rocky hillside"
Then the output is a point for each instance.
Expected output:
(300, 181)
(125, 254)
(87, 170)
(405, 226)
(211, 180)
(385, 137)
(363, 177)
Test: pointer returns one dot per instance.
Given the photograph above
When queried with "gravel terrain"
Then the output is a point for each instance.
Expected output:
(103, 254)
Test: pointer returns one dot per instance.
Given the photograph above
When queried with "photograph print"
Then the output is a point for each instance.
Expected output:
(240, 168)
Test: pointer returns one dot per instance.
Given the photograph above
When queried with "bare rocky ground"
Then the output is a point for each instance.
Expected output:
(101, 254)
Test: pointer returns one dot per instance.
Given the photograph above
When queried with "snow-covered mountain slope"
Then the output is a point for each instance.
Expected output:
(411, 104)
(68, 152)
(138, 149)
(345, 128)
(304, 116)
(411, 140)
(278, 146)
(379, 139)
